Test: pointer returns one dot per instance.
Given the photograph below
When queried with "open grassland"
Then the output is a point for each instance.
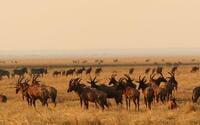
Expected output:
(68, 110)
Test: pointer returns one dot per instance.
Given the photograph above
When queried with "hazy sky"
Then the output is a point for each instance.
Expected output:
(98, 24)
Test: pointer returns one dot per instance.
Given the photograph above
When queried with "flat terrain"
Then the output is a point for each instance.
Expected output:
(68, 110)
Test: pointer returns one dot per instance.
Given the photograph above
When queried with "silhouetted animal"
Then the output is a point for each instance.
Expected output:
(57, 73)
(38, 71)
(20, 71)
(4, 73)
(80, 71)
(70, 72)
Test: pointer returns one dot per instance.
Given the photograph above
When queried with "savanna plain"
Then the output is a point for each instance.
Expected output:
(69, 112)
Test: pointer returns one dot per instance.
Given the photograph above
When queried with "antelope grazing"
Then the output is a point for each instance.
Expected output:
(147, 91)
(70, 72)
(3, 98)
(194, 69)
(4, 73)
(32, 92)
(98, 71)
(131, 70)
(38, 71)
(111, 91)
(57, 73)
(80, 71)
(196, 94)
(20, 71)
(88, 94)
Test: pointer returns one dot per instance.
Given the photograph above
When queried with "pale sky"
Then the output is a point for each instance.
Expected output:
(98, 24)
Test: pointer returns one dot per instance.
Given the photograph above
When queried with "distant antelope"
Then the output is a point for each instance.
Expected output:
(88, 71)
(70, 72)
(84, 61)
(147, 91)
(147, 60)
(115, 60)
(131, 70)
(147, 70)
(194, 69)
(98, 71)
(80, 71)
(57, 73)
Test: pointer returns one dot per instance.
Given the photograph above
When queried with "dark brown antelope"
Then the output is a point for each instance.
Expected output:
(88, 94)
(194, 69)
(70, 72)
(3, 98)
(57, 73)
(80, 71)
(111, 91)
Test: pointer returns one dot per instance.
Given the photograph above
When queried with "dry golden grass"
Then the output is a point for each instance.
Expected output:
(68, 110)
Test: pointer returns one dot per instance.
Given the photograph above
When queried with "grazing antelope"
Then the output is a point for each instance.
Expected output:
(20, 71)
(147, 91)
(70, 72)
(194, 69)
(80, 71)
(4, 73)
(57, 73)
(196, 94)
(88, 94)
